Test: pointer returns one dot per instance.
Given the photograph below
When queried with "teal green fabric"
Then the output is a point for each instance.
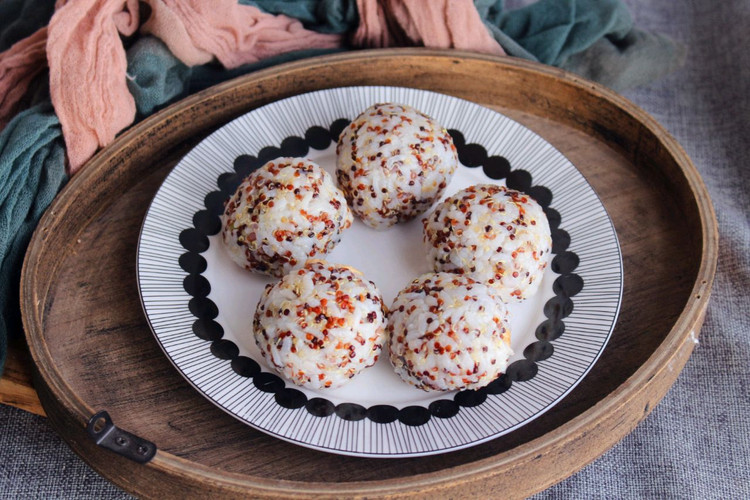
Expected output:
(593, 38)
(323, 16)
(32, 169)
(553, 30)
(158, 78)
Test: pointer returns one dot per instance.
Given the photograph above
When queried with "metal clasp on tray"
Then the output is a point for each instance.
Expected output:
(107, 435)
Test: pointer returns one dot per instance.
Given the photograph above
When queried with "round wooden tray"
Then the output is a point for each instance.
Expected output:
(94, 351)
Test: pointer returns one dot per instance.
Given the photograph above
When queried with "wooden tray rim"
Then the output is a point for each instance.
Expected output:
(683, 329)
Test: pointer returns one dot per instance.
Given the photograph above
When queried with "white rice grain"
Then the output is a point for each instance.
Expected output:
(320, 325)
(393, 162)
(493, 234)
(448, 332)
(283, 214)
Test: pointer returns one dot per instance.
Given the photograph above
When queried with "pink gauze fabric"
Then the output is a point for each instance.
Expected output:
(87, 60)
(87, 67)
(197, 30)
(435, 23)
(18, 66)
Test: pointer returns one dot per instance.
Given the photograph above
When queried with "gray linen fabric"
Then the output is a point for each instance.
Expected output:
(696, 443)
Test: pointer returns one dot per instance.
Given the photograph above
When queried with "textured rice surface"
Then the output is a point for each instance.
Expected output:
(320, 325)
(448, 332)
(493, 234)
(393, 162)
(284, 213)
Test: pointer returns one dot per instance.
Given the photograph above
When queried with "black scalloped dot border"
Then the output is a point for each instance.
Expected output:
(207, 222)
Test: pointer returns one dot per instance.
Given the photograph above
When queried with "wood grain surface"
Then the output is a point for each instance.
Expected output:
(93, 349)
(16, 386)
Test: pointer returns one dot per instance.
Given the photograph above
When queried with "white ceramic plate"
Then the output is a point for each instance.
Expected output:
(200, 304)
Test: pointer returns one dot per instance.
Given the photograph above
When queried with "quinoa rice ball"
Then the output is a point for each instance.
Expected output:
(320, 325)
(493, 234)
(283, 214)
(448, 332)
(392, 163)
